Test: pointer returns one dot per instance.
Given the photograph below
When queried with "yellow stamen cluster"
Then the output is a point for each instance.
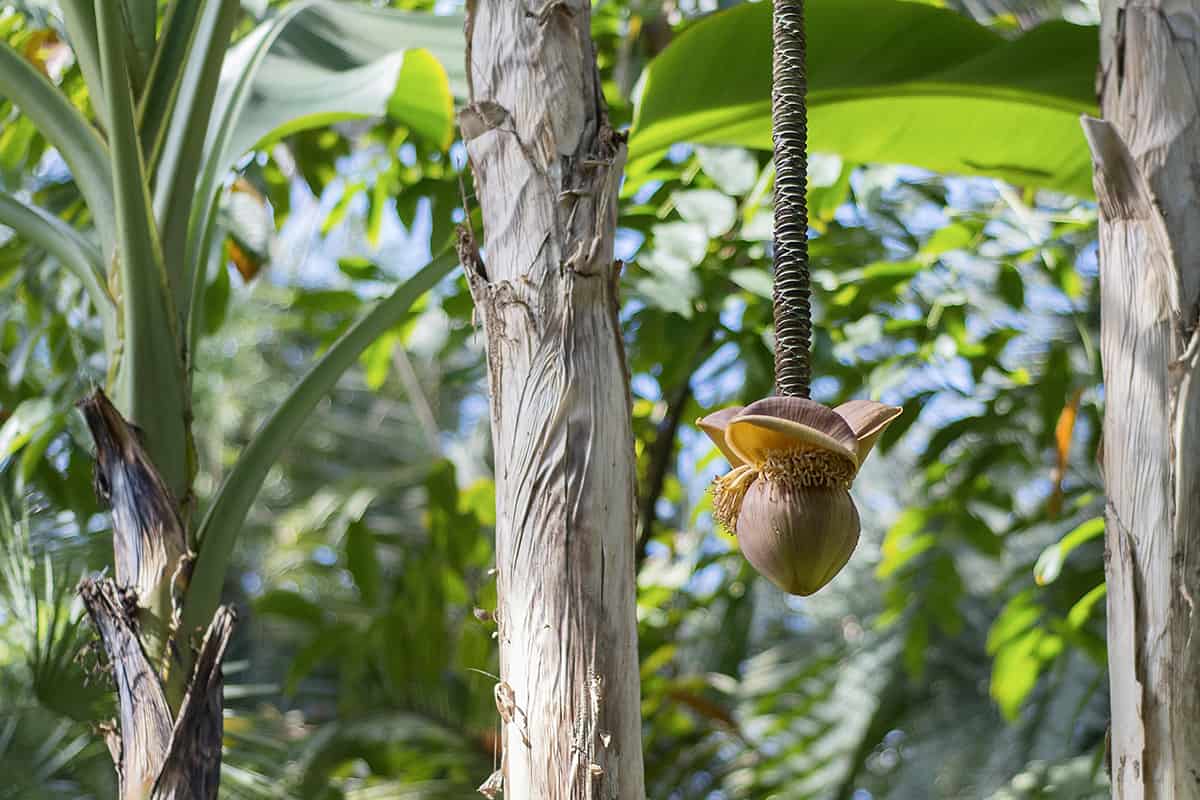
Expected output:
(728, 491)
(807, 467)
(798, 467)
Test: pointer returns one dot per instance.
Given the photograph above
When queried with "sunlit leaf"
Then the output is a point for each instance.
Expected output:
(955, 97)
(733, 169)
(1015, 671)
(714, 211)
(1082, 610)
(23, 424)
(1050, 562)
(330, 63)
(1020, 614)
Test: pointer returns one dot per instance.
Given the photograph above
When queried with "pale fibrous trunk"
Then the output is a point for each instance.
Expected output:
(547, 168)
(1146, 153)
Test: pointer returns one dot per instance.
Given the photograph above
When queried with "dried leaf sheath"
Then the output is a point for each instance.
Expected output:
(145, 719)
(156, 757)
(149, 545)
(193, 766)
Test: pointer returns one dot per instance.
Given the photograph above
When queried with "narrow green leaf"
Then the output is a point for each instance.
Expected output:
(219, 529)
(1018, 615)
(162, 83)
(955, 236)
(65, 127)
(31, 459)
(150, 387)
(24, 423)
(1050, 562)
(216, 299)
(175, 141)
(80, 19)
(141, 18)
(380, 194)
(204, 250)
(291, 606)
(361, 269)
(71, 249)
(904, 541)
(1015, 672)
(891, 82)
(916, 645)
(377, 360)
(324, 644)
(337, 214)
(1082, 610)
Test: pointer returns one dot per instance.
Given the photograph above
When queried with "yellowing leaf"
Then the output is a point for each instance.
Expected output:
(1063, 432)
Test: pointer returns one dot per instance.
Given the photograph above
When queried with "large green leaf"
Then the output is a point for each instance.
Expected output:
(335, 61)
(173, 126)
(890, 82)
(320, 62)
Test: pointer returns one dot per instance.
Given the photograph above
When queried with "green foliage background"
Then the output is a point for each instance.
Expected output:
(961, 654)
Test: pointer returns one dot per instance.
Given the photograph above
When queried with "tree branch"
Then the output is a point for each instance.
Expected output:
(661, 452)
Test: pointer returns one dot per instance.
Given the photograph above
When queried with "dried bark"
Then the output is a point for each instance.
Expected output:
(547, 168)
(157, 757)
(149, 544)
(140, 747)
(1146, 154)
(192, 769)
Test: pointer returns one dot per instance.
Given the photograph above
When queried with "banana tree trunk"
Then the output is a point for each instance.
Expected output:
(1146, 154)
(547, 168)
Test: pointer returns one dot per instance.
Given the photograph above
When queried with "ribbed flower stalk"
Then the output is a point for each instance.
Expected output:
(789, 130)
(787, 497)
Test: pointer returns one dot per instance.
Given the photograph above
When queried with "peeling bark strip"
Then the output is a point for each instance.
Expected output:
(1146, 154)
(193, 767)
(135, 616)
(155, 758)
(149, 546)
(547, 168)
(140, 747)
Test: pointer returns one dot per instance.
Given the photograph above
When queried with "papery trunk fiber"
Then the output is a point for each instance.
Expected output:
(547, 167)
(1146, 153)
